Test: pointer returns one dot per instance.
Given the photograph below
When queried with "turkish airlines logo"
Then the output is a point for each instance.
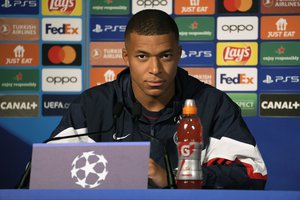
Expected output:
(164, 5)
(62, 54)
(237, 79)
(62, 80)
(60, 29)
(237, 28)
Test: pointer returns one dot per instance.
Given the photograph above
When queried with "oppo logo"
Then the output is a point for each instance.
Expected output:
(61, 79)
(237, 28)
(152, 3)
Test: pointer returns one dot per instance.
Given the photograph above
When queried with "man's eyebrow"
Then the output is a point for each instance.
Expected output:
(163, 52)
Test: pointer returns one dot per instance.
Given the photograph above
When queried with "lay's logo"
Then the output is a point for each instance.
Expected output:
(58, 7)
(237, 53)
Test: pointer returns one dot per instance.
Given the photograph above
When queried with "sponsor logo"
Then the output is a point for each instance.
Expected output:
(237, 53)
(237, 79)
(61, 54)
(246, 101)
(194, 7)
(102, 75)
(206, 75)
(198, 53)
(19, 105)
(67, 80)
(238, 6)
(54, 105)
(281, 105)
(106, 53)
(12, 7)
(108, 28)
(164, 5)
(19, 55)
(19, 80)
(58, 7)
(279, 6)
(196, 28)
(110, 7)
(60, 29)
(280, 53)
(284, 79)
(19, 29)
(280, 27)
(237, 28)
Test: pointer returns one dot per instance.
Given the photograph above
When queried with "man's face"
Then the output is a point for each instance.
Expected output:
(153, 64)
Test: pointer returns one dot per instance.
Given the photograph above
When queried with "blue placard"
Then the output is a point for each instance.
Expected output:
(197, 54)
(107, 28)
(19, 7)
(279, 79)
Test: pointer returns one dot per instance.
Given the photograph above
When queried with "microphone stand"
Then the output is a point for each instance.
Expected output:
(136, 112)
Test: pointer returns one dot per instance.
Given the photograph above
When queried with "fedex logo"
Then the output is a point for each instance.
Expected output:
(62, 29)
(237, 79)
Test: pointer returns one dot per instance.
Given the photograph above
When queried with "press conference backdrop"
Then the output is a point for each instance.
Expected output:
(52, 50)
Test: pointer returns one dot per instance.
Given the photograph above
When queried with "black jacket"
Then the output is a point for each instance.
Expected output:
(232, 159)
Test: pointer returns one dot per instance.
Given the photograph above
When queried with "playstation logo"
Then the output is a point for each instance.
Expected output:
(6, 4)
(268, 79)
(98, 29)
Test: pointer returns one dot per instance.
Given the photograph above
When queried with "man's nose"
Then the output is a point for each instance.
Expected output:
(155, 65)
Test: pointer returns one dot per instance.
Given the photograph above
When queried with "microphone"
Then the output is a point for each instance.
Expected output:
(136, 114)
(117, 110)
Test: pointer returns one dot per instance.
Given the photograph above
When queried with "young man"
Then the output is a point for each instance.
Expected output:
(153, 80)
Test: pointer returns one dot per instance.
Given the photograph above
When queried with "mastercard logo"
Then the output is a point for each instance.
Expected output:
(62, 54)
(237, 5)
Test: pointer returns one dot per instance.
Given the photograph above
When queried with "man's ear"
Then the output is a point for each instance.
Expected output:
(125, 56)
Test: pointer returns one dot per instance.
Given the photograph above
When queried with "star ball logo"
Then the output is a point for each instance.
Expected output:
(61, 54)
(89, 169)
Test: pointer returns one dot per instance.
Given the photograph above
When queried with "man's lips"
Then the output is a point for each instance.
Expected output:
(155, 83)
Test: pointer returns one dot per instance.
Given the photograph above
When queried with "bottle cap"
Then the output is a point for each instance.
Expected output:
(189, 107)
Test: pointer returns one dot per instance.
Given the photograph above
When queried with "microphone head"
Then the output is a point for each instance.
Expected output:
(117, 110)
(136, 110)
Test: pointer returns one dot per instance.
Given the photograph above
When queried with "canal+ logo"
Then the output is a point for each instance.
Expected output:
(62, 29)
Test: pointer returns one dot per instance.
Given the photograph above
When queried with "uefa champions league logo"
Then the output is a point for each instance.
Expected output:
(89, 169)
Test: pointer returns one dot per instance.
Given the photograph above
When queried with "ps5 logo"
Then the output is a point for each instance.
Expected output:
(15, 3)
(109, 28)
(196, 54)
(281, 79)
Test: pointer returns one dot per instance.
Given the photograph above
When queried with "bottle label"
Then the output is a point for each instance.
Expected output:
(189, 161)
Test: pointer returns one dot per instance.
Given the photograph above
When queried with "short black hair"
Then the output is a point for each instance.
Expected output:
(152, 22)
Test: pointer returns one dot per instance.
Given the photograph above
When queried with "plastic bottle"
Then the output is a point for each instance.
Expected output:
(189, 132)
